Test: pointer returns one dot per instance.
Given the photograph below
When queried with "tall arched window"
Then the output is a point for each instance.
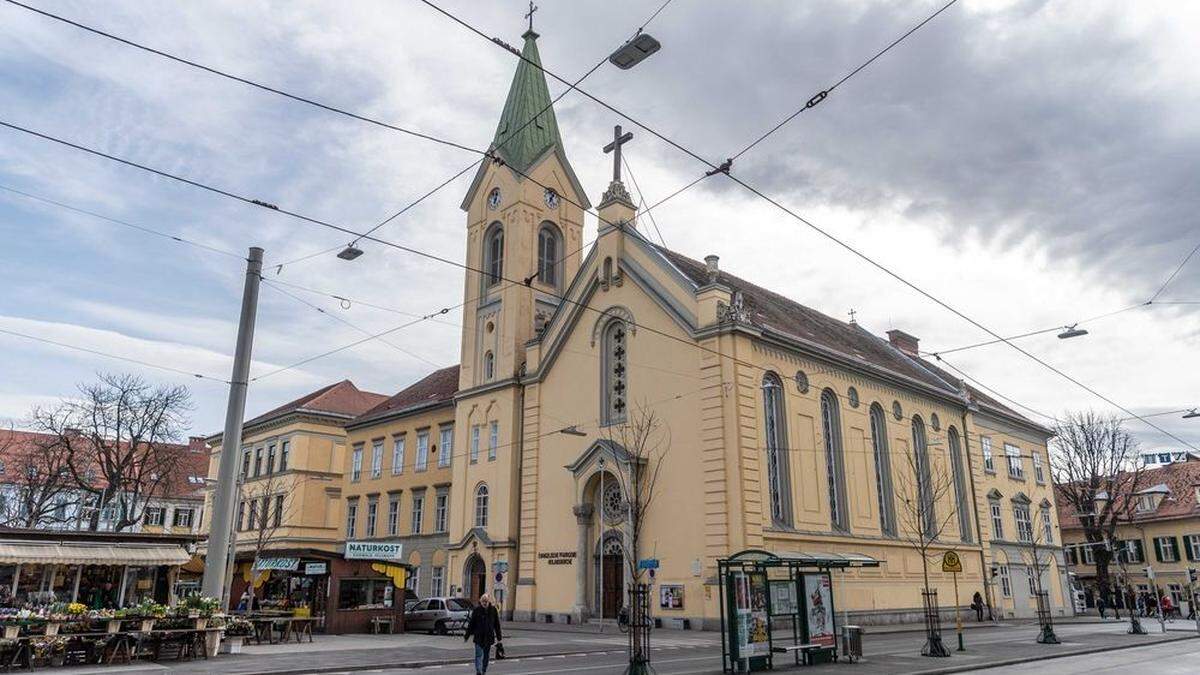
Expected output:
(835, 466)
(547, 265)
(924, 478)
(883, 472)
(775, 431)
(614, 374)
(481, 506)
(960, 484)
(493, 255)
(489, 365)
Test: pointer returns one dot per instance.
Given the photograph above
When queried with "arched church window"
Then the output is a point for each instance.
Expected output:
(548, 246)
(883, 471)
(775, 432)
(615, 375)
(493, 255)
(489, 365)
(835, 468)
(925, 505)
(481, 506)
(960, 484)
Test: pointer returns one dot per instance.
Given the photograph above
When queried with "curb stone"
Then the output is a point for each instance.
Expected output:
(1044, 657)
(412, 665)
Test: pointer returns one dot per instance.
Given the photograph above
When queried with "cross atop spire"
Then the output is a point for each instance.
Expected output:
(532, 8)
(619, 139)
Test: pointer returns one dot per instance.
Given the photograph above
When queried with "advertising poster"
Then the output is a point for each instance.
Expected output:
(818, 595)
(670, 596)
(783, 597)
(757, 639)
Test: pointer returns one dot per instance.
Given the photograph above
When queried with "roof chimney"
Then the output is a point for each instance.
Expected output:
(710, 263)
(903, 341)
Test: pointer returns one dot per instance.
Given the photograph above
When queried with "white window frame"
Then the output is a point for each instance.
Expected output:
(418, 512)
(285, 451)
(445, 445)
(997, 518)
(437, 579)
(1169, 554)
(493, 439)
(1005, 581)
(181, 515)
(1021, 517)
(989, 460)
(398, 442)
(393, 525)
(1039, 468)
(351, 517)
(1089, 555)
(482, 496)
(1193, 543)
(1031, 579)
(155, 516)
(422, 462)
(372, 516)
(356, 457)
(377, 458)
(474, 443)
(1016, 467)
(1047, 526)
(441, 512)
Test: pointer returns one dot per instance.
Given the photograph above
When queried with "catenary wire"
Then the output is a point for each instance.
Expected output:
(1036, 332)
(107, 355)
(1172, 277)
(472, 269)
(642, 199)
(724, 168)
(117, 221)
(242, 80)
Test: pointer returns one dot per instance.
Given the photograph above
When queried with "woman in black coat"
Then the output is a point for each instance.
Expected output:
(484, 626)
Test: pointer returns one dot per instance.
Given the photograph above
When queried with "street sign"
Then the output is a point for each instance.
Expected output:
(648, 564)
(951, 562)
(500, 566)
(316, 568)
(499, 577)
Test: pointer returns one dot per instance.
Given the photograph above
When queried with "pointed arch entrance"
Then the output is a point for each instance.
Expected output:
(609, 562)
(474, 578)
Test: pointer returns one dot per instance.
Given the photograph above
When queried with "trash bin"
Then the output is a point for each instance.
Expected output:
(852, 642)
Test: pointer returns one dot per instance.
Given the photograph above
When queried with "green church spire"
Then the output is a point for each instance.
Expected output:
(518, 141)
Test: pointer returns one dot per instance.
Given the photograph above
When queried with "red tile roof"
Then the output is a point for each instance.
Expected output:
(340, 398)
(1181, 478)
(436, 387)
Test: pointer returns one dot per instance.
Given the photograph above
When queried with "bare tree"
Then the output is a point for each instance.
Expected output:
(1096, 473)
(119, 441)
(41, 491)
(921, 489)
(646, 442)
(268, 505)
(1038, 555)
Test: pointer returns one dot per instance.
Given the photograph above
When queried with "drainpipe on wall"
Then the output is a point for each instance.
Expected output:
(983, 566)
(514, 565)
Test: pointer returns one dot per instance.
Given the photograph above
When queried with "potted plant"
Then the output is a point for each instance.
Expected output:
(236, 631)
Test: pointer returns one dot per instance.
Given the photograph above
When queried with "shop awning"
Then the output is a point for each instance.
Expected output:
(80, 553)
(802, 559)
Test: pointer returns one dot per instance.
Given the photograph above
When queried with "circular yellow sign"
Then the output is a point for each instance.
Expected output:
(951, 562)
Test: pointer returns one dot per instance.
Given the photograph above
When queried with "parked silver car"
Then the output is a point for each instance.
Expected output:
(438, 615)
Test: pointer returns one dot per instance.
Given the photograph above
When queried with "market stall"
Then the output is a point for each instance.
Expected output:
(779, 604)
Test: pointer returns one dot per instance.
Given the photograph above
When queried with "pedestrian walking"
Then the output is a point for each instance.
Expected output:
(977, 605)
(484, 627)
(1100, 605)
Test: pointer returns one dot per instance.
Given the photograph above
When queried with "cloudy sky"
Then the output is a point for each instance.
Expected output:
(1030, 163)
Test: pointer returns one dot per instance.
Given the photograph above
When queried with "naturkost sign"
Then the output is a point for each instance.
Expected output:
(373, 550)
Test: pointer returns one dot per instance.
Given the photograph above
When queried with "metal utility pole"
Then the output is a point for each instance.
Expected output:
(224, 496)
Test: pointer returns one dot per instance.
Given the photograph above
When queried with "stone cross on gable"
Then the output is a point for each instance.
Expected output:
(615, 148)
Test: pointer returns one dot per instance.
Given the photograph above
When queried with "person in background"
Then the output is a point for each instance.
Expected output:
(1101, 605)
(484, 627)
(977, 605)
(103, 597)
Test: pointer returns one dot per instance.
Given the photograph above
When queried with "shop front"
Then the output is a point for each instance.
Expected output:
(294, 583)
(368, 588)
(102, 570)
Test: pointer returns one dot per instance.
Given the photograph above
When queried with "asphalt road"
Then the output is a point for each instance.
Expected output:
(1176, 658)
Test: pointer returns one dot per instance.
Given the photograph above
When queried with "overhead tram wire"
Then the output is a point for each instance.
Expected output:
(118, 221)
(107, 355)
(351, 324)
(1043, 331)
(1172, 277)
(642, 199)
(242, 80)
(430, 256)
(724, 168)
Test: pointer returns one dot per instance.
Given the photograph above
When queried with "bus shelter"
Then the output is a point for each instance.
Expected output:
(779, 603)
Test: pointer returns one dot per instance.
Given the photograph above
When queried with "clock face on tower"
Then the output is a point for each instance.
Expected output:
(494, 198)
(551, 198)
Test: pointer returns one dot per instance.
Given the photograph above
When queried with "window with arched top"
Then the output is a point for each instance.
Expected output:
(775, 433)
(835, 465)
(489, 365)
(883, 472)
(493, 255)
(481, 506)
(924, 475)
(958, 467)
(614, 374)
(548, 251)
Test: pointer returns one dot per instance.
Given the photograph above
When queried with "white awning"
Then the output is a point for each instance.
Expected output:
(85, 553)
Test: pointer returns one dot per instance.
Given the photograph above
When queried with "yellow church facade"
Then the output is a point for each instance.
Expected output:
(590, 369)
